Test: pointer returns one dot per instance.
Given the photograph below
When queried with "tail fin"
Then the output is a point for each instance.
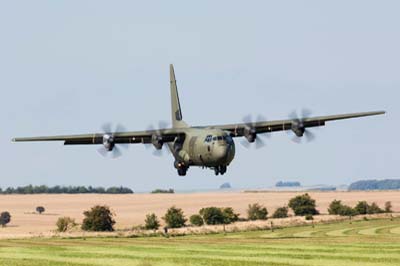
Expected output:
(177, 121)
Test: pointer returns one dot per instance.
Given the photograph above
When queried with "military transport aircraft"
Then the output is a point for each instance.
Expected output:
(206, 146)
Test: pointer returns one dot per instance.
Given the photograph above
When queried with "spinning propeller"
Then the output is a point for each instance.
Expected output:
(157, 140)
(109, 144)
(250, 132)
(298, 127)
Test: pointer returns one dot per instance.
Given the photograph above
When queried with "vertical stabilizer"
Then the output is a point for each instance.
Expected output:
(177, 121)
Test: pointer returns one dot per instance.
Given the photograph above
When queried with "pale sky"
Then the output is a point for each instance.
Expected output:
(67, 67)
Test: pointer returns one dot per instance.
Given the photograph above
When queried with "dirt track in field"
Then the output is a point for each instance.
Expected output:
(130, 210)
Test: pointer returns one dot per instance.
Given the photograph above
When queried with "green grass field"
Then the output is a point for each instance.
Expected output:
(375, 242)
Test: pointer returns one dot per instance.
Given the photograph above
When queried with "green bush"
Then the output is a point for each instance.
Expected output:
(174, 218)
(303, 205)
(196, 220)
(309, 217)
(5, 218)
(151, 222)
(361, 207)
(374, 209)
(65, 224)
(229, 215)
(99, 218)
(257, 212)
(388, 207)
(212, 215)
(338, 208)
(281, 212)
(40, 209)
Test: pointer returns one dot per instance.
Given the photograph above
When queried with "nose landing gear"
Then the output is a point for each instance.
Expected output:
(220, 170)
(181, 167)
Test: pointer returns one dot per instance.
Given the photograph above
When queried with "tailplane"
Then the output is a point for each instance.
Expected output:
(177, 121)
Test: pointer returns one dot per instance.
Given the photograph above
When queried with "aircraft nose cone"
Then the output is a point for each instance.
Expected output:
(221, 152)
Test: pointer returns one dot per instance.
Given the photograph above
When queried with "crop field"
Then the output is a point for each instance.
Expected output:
(367, 243)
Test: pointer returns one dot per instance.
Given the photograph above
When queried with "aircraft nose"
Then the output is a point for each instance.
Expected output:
(221, 152)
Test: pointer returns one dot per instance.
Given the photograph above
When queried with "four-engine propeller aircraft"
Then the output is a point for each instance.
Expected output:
(207, 146)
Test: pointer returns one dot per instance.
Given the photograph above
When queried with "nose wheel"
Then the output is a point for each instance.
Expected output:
(181, 168)
(220, 170)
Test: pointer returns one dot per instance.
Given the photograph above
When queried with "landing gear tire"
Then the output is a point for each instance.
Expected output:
(220, 170)
(182, 171)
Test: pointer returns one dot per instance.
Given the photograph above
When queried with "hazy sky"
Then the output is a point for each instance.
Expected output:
(66, 67)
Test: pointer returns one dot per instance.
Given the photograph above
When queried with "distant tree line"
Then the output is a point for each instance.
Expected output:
(65, 190)
(387, 184)
(163, 191)
(288, 184)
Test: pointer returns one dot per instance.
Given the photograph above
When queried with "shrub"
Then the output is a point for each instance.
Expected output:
(257, 212)
(196, 220)
(229, 215)
(5, 218)
(151, 222)
(309, 217)
(337, 208)
(374, 209)
(40, 209)
(303, 205)
(281, 212)
(163, 191)
(174, 218)
(65, 224)
(212, 215)
(99, 218)
(361, 207)
(388, 207)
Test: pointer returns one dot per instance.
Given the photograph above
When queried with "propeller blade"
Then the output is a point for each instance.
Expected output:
(296, 139)
(305, 113)
(120, 128)
(309, 135)
(116, 152)
(259, 143)
(245, 143)
(106, 128)
(102, 151)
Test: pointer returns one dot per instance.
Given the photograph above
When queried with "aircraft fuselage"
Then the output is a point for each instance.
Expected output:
(204, 147)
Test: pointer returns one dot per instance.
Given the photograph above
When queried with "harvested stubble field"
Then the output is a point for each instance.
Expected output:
(131, 209)
(367, 243)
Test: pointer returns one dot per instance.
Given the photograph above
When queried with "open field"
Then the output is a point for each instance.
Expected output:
(131, 209)
(367, 243)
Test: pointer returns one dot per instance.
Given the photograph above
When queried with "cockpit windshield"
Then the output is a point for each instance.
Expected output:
(228, 139)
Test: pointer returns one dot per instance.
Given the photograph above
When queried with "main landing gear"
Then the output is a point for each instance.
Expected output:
(220, 170)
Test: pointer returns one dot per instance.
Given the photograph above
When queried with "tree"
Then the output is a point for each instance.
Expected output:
(257, 212)
(151, 222)
(212, 215)
(388, 207)
(5, 218)
(99, 218)
(40, 209)
(362, 207)
(374, 209)
(281, 212)
(174, 218)
(338, 208)
(196, 220)
(303, 205)
(229, 215)
(65, 224)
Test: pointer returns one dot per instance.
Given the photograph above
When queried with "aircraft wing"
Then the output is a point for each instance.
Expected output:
(135, 137)
(239, 130)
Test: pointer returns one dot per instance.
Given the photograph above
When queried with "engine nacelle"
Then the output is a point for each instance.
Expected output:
(157, 141)
(298, 129)
(108, 142)
(250, 134)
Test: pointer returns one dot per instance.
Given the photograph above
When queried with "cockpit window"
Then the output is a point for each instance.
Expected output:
(208, 138)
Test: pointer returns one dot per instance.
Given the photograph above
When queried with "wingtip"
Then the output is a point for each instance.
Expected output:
(13, 140)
